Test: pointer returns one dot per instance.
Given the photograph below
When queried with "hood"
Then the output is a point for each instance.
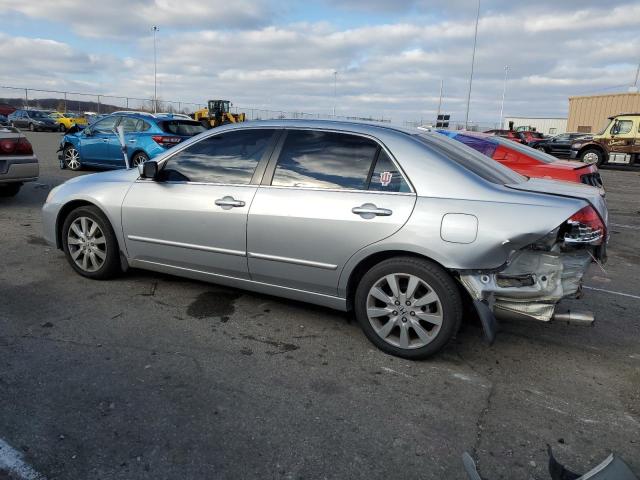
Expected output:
(108, 176)
(566, 189)
(581, 141)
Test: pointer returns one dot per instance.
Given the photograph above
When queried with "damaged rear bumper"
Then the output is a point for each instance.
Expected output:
(531, 285)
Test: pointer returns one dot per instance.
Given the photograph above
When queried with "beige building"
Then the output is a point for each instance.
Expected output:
(589, 113)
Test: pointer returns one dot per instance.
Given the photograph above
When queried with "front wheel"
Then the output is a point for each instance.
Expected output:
(71, 158)
(61, 128)
(408, 307)
(139, 158)
(592, 157)
(89, 243)
(32, 127)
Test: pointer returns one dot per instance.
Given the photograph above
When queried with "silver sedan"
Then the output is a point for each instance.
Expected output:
(401, 226)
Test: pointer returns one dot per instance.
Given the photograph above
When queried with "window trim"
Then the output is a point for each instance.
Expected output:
(267, 179)
(257, 174)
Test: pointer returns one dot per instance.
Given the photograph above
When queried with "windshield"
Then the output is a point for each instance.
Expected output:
(470, 159)
(186, 128)
(528, 151)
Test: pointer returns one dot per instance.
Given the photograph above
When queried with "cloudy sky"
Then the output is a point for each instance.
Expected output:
(390, 55)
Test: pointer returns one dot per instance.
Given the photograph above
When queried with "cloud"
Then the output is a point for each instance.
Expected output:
(390, 69)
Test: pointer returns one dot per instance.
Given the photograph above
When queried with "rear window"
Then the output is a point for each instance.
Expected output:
(481, 165)
(187, 128)
(528, 151)
(482, 145)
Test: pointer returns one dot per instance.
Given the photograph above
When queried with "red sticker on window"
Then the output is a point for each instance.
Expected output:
(385, 178)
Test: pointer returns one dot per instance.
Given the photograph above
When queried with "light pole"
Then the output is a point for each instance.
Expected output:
(439, 102)
(155, 71)
(473, 59)
(335, 85)
(504, 89)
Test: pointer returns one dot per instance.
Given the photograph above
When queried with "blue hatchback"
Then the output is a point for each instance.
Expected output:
(146, 135)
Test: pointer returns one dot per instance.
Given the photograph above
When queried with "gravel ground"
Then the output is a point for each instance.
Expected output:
(155, 377)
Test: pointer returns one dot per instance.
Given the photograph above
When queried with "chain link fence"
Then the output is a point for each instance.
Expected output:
(76, 102)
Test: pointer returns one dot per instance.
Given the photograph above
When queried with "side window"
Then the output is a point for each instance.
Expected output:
(324, 160)
(386, 176)
(105, 125)
(143, 126)
(130, 124)
(621, 127)
(229, 158)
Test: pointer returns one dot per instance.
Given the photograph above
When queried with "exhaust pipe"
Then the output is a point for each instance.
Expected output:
(582, 319)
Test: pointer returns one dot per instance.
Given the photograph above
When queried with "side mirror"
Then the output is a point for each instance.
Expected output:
(148, 169)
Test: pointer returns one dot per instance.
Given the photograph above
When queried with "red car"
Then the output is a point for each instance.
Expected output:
(527, 137)
(526, 160)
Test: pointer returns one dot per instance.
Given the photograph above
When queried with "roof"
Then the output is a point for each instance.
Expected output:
(620, 94)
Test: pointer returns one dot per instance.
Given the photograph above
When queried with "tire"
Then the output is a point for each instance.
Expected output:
(10, 189)
(592, 156)
(82, 250)
(541, 148)
(205, 123)
(138, 158)
(71, 158)
(435, 299)
(32, 127)
(62, 128)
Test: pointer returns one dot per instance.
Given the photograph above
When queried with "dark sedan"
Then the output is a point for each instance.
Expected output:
(560, 145)
(34, 120)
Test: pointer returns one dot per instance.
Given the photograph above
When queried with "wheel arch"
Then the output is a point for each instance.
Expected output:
(366, 263)
(64, 212)
(593, 146)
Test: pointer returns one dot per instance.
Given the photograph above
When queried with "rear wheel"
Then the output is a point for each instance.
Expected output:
(408, 307)
(32, 127)
(592, 156)
(71, 158)
(89, 243)
(139, 158)
(9, 189)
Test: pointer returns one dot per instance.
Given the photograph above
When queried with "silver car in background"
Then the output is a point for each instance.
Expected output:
(401, 226)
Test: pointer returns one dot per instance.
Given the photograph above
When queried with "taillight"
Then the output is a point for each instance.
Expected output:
(584, 227)
(166, 141)
(15, 146)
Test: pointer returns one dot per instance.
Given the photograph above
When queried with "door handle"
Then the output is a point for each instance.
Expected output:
(105, 140)
(229, 202)
(133, 140)
(369, 210)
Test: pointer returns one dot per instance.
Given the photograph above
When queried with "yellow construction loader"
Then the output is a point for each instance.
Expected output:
(218, 114)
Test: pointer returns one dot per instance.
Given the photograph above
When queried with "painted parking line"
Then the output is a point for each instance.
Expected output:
(637, 297)
(622, 225)
(12, 462)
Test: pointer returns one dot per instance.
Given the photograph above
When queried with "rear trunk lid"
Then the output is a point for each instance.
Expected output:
(567, 189)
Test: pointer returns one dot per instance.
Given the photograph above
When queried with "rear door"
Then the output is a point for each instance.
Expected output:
(194, 216)
(324, 196)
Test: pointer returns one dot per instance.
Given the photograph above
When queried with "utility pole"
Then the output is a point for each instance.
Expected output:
(504, 89)
(155, 71)
(473, 59)
(335, 85)
(439, 101)
(635, 82)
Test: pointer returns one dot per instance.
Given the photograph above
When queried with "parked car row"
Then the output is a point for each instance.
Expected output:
(404, 227)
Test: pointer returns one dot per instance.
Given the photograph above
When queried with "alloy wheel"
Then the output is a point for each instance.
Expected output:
(404, 310)
(72, 158)
(139, 159)
(87, 244)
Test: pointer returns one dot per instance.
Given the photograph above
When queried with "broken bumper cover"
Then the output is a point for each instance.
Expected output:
(531, 285)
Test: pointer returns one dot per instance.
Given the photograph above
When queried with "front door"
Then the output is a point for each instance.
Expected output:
(329, 195)
(99, 142)
(622, 143)
(194, 216)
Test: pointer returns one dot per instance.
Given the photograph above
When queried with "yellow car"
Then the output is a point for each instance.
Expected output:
(67, 120)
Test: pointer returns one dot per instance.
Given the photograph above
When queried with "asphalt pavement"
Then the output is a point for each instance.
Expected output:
(156, 377)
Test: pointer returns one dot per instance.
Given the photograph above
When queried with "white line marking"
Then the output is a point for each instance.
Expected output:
(620, 225)
(612, 292)
(11, 460)
(390, 370)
